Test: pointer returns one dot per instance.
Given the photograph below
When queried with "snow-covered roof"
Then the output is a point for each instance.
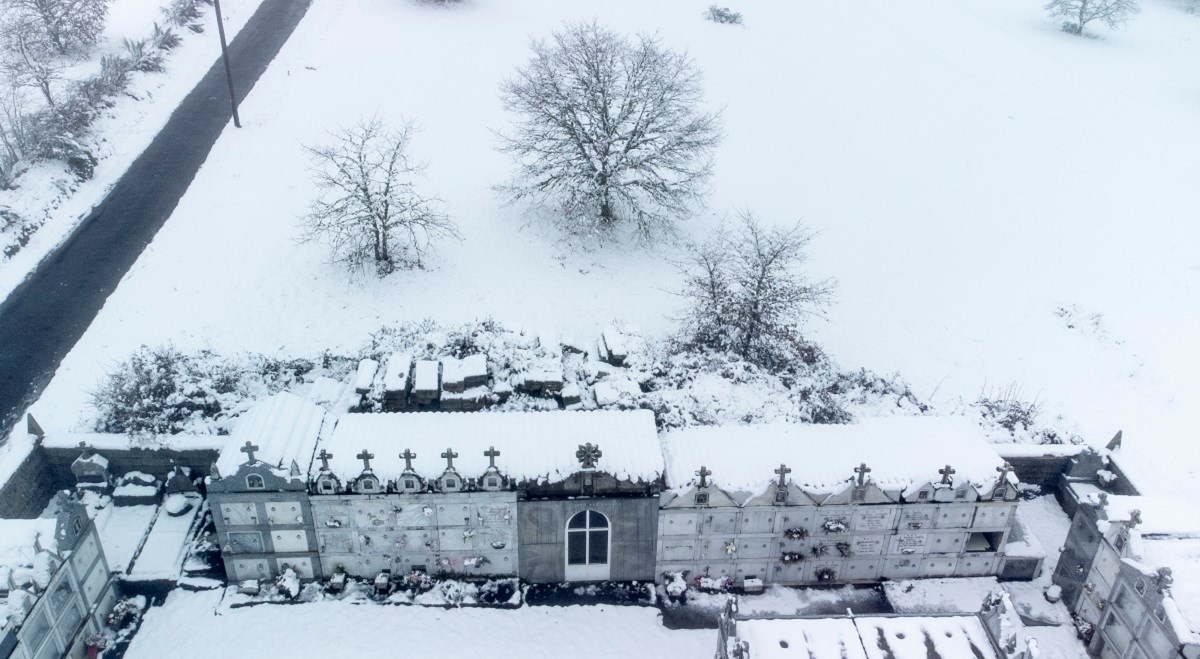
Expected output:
(901, 452)
(1159, 515)
(1182, 555)
(899, 637)
(19, 537)
(532, 445)
(284, 427)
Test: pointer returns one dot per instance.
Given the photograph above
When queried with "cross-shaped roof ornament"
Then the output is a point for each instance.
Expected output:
(783, 471)
(324, 456)
(249, 450)
(862, 470)
(704, 473)
(588, 454)
(408, 458)
(366, 456)
(491, 454)
(1004, 469)
(449, 455)
(1135, 517)
(947, 474)
(86, 449)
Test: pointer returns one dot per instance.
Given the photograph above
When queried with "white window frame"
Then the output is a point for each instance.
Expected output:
(587, 571)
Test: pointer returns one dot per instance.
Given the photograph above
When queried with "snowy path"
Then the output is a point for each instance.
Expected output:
(186, 626)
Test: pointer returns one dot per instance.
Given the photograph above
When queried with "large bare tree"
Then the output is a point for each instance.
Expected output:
(370, 212)
(1078, 13)
(28, 58)
(610, 131)
(746, 292)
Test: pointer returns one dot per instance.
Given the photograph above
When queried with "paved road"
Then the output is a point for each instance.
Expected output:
(43, 318)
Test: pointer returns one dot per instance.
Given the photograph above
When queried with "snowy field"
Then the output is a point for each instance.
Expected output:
(1002, 204)
(186, 626)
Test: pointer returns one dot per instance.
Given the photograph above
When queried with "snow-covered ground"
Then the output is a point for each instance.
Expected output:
(121, 132)
(1002, 204)
(186, 626)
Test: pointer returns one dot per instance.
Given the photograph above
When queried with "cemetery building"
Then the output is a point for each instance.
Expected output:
(601, 495)
(55, 585)
(1130, 574)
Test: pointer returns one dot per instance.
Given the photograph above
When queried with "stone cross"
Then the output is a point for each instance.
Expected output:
(947, 474)
(862, 470)
(704, 473)
(324, 456)
(449, 455)
(491, 454)
(783, 471)
(86, 449)
(1004, 469)
(588, 454)
(249, 450)
(408, 458)
(1135, 517)
(365, 456)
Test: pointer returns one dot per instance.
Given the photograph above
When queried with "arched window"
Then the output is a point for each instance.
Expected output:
(587, 539)
(254, 482)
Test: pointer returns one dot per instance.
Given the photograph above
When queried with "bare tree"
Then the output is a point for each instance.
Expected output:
(747, 295)
(1078, 13)
(370, 211)
(14, 133)
(609, 130)
(28, 60)
(72, 26)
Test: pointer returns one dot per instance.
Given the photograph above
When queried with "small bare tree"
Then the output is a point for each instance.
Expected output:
(14, 133)
(610, 131)
(72, 26)
(370, 211)
(1078, 13)
(747, 295)
(28, 59)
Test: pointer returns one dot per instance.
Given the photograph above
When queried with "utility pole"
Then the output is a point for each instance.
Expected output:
(225, 56)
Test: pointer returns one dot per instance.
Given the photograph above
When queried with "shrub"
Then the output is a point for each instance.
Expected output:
(142, 56)
(723, 15)
(163, 391)
(185, 13)
(164, 39)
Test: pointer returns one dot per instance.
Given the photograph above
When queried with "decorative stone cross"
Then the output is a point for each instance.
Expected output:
(588, 454)
(408, 458)
(365, 456)
(1004, 469)
(704, 473)
(1135, 517)
(491, 454)
(86, 449)
(449, 455)
(249, 450)
(862, 470)
(947, 474)
(783, 471)
(324, 456)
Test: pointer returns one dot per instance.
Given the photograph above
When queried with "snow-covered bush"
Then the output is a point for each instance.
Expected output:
(143, 55)
(164, 391)
(723, 15)
(288, 583)
(1007, 413)
(68, 26)
(185, 13)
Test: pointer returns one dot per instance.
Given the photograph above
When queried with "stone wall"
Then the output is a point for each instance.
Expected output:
(1041, 470)
(156, 462)
(31, 486)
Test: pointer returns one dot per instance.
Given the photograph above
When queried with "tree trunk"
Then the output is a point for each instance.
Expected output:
(606, 214)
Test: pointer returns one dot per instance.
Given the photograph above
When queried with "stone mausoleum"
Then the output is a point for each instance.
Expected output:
(602, 495)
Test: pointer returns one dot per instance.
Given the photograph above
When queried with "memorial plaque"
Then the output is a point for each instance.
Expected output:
(909, 543)
(494, 515)
(913, 518)
(335, 542)
(873, 519)
(867, 545)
